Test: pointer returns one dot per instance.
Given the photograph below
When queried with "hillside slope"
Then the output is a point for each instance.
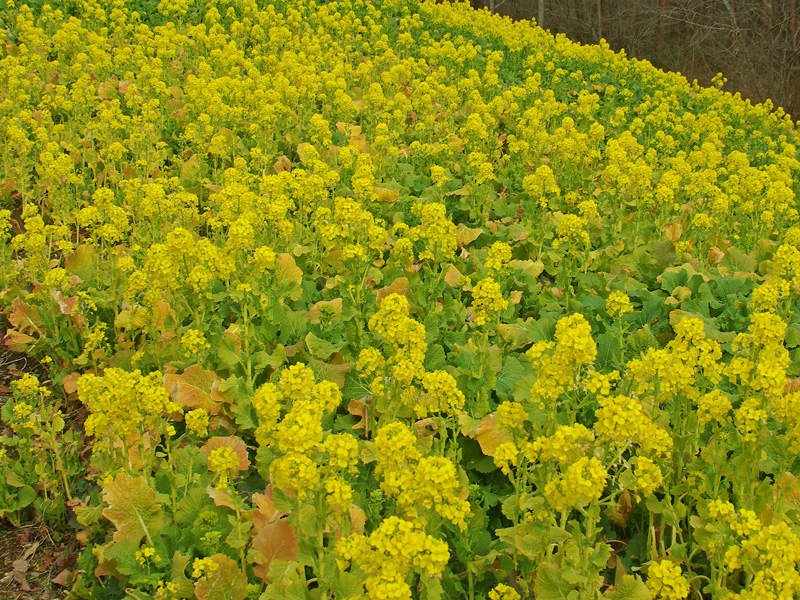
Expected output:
(392, 300)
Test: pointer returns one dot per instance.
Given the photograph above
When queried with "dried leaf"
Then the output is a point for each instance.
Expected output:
(358, 518)
(715, 255)
(226, 582)
(286, 270)
(65, 305)
(132, 507)
(452, 276)
(221, 497)
(275, 540)
(385, 194)
(333, 307)
(489, 434)
(234, 443)
(266, 511)
(673, 231)
(466, 235)
(358, 408)
(63, 578)
(24, 317)
(282, 164)
(398, 286)
(196, 388)
(70, 382)
(17, 341)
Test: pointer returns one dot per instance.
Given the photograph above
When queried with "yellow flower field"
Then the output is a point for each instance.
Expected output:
(392, 300)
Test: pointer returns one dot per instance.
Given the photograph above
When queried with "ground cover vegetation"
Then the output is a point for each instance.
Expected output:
(392, 300)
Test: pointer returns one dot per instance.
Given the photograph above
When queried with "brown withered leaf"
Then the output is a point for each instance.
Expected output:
(276, 539)
(358, 408)
(161, 313)
(221, 497)
(282, 164)
(63, 578)
(621, 512)
(792, 385)
(226, 582)
(398, 286)
(466, 235)
(24, 317)
(673, 231)
(16, 340)
(70, 382)
(488, 434)
(234, 443)
(65, 305)
(452, 276)
(384, 194)
(715, 255)
(333, 306)
(196, 388)
(132, 507)
(425, 427)
(266, 511)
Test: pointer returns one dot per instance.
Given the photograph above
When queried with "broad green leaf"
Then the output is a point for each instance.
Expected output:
(550, 584)
(183, 585)
(321, 348)
(630, 588)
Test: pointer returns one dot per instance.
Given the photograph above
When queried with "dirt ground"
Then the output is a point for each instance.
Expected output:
(35, 562)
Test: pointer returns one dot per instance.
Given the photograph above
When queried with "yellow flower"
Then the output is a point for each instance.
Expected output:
(197, 421)
(487, 301)
(617, 304)
(664, 580)
(503, 592)
(498, 257)
(648, 476)
(194, 342)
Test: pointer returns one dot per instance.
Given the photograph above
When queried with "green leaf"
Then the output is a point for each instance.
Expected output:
(431, 588)
(630, 588)
(508, 376)
(516, 334)
(793, 335)
(550, 585)
(82, 262)
(183, 585)
(240, 532)
(320, 348)
(123, 552)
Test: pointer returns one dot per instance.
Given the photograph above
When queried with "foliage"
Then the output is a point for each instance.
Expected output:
(393, 300)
